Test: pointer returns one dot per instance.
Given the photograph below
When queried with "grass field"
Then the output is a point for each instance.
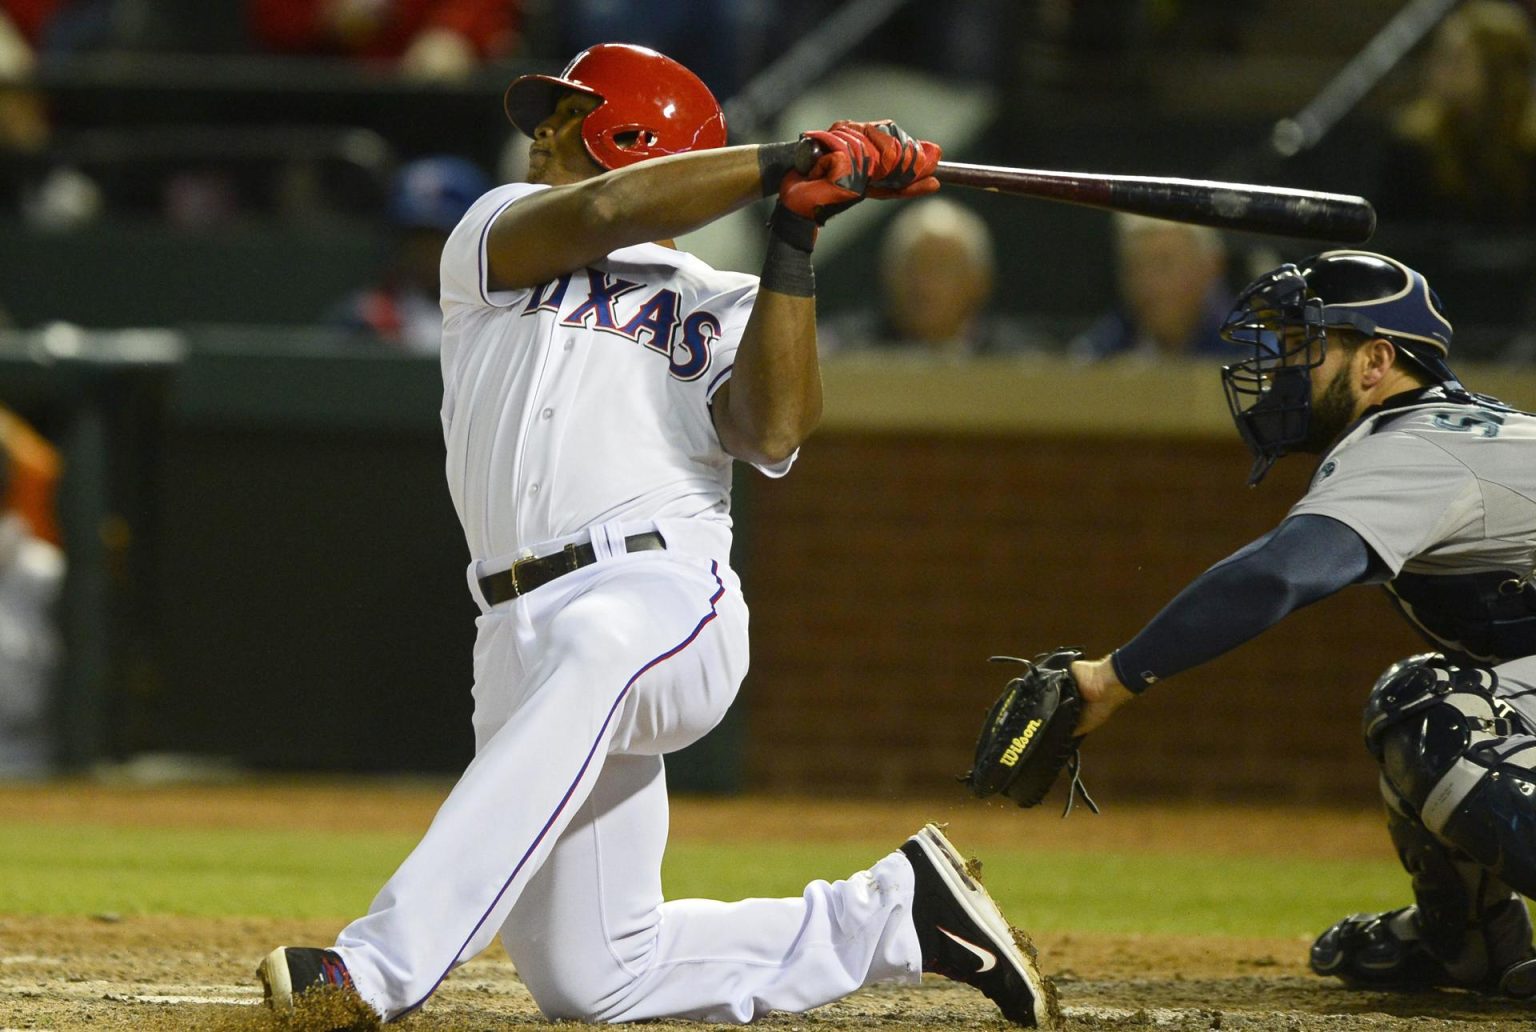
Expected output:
(147, 852)
(84, 869)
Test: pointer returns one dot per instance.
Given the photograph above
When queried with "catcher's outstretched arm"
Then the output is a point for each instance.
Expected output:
(1305, 559)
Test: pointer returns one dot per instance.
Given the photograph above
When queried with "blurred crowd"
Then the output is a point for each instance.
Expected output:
(388, 138)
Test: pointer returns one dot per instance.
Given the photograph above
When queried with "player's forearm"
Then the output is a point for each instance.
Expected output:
(568, 227)
(656, 200)
(773, 401)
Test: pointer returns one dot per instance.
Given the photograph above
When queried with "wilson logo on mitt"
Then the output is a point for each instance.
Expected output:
(1018, 745)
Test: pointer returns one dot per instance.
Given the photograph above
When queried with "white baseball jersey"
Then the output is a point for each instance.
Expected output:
(608, 370)
(1444, 492)
(578, 411)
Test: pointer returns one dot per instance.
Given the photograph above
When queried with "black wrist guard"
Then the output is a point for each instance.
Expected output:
(795, 230)
(775, 161)
(787, 265)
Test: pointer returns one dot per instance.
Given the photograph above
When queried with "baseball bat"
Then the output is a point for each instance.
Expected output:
(1243, 206)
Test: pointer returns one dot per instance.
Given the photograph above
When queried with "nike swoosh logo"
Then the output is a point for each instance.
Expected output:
(987, 957)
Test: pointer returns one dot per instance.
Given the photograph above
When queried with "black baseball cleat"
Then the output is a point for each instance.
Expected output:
(964, 936)
(316, 982)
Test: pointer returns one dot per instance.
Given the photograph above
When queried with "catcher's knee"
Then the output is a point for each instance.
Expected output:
(1459, 759)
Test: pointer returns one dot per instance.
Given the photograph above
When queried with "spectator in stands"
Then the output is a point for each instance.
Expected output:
(1173, 294)
(31, 574)
(32, 182)
(1464, 149)
(936, 277)
(83, 26)
(24, 132)
(427, 199)
(23, 124)
(426, 39)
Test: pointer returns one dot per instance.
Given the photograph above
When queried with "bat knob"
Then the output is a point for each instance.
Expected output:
(806, 155)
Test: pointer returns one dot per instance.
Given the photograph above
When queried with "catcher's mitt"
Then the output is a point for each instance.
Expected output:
(1029, 734)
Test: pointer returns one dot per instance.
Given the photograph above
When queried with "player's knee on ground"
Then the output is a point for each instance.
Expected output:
(1460, 759)
(594, 990)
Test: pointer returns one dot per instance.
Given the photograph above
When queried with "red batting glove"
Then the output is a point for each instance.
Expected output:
(836, 179)
(904, 166)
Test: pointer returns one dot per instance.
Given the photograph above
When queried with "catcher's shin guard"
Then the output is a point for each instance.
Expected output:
(1469, 920)
(1460, 760)
(1457, 779)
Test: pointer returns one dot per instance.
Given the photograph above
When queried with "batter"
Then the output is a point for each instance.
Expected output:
(597, 387)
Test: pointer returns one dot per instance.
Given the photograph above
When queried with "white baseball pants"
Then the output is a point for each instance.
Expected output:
(554, 834)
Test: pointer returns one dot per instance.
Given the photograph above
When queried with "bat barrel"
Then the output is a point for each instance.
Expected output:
(1237, 206)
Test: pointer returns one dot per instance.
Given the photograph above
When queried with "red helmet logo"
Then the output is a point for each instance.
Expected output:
(651, 105)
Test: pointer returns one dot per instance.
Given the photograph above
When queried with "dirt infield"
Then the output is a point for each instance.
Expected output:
(163, 973)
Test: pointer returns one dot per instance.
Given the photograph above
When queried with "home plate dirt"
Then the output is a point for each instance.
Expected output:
(145, 974)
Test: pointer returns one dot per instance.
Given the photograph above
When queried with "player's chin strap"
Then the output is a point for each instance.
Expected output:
(1074, 765)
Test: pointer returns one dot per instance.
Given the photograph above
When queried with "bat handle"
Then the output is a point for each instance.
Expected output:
(806, 154)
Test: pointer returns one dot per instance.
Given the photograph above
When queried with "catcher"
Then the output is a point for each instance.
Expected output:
(1424, 488)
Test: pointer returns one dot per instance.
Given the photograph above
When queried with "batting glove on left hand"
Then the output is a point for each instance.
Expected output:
(837, 178)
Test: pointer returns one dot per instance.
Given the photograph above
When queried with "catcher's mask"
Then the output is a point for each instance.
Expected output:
(650, 106)
(1284, 317)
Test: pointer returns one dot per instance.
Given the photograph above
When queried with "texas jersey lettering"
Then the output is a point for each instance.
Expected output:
(686, 342)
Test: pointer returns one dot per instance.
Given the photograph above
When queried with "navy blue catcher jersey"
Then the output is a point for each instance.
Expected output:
(1443, 489)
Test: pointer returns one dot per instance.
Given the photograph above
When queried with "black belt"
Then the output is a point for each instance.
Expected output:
(537, 571)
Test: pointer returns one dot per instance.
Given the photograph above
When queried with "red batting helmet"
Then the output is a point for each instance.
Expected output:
(651, 105)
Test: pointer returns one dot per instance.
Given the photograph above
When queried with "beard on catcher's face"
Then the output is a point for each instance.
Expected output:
(1331, 413)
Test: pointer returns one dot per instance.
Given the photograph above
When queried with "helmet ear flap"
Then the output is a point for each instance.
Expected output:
(623, 138)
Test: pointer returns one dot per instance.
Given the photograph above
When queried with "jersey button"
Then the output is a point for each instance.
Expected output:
(569, 345)
(548, 413)
(533, 489)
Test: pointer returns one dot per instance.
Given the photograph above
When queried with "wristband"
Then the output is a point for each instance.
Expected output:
(1135, 683)
(795, 230)
(787, 265)
(775, 161)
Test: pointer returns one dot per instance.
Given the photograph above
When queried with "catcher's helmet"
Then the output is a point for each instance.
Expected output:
(651, 105)
(1270, 392)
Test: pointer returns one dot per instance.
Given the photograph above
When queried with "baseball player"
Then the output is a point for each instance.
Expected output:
(427, 199)
(1430, 491)
(597, 386)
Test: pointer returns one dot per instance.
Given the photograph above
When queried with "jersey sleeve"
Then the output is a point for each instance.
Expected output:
(735, 307)
(463, 268)
(1305, 559)
(1402, 494)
